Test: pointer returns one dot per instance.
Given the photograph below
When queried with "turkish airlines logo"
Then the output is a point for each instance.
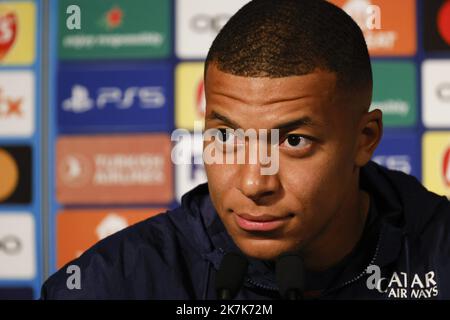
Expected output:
(8, 32)
(114, 169)
(145, 97)
(446, 168)
(75, 170)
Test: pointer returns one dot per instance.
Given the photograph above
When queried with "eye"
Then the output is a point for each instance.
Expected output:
(225, 136)
(296, 142)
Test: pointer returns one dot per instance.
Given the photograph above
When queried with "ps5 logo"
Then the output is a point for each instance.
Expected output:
(146, 97)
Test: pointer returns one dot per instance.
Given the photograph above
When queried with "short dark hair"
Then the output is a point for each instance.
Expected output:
(281, 38)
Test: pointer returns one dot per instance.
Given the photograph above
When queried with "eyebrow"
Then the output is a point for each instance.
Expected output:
(296, 123)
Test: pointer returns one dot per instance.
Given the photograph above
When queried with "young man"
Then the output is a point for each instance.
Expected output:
(364, 232)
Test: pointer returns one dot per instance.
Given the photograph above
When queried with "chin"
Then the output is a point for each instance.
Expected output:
(262, 249)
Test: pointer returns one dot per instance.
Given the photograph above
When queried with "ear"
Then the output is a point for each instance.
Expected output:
(370, 131)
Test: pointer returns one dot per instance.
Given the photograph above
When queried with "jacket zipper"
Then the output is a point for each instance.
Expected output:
(327, 291)
(260, 286)
(359, 276)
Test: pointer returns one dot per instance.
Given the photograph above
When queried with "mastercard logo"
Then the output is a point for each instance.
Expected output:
(9, 175)
(15, 174)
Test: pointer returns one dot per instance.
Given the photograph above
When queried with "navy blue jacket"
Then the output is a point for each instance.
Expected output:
(175, 255)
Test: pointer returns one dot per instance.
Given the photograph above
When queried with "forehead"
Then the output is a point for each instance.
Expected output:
(266, 102)
(264, 91)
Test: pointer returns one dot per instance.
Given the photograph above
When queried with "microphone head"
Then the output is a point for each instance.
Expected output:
(289, 271)
(230, 275)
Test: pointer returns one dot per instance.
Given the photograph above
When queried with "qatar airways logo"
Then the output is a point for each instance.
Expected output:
(228, 146)
(402, 285)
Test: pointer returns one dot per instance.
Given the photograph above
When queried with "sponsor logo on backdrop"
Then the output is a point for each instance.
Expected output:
(17, 246)
(17, 103)
(443, 91)
(120, 99)
(189, 168)
(15, 175)
(446, 167)
(198, 23)
(75, 170)
(400, 152)
(110, 225)
(113, 18)
(365, 14)
(9, 175)
(190, 101)
(437, 25)
(436, 93)
(80, 229)
(207, 23)
(436, 161)
(201, 101)
(17, 33)
(395, 93)
(147, 97)
(114, 169)
(386, 32)
(8, 32)
(443, 22)
(395, 162)
(119, 29)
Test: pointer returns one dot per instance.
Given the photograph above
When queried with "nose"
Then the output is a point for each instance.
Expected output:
(256, 186)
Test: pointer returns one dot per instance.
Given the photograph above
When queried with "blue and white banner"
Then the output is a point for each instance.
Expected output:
(112, 98)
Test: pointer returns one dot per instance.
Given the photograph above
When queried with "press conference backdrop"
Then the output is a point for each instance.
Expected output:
(118, 87)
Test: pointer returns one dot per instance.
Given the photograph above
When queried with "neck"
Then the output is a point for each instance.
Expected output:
(341, 234)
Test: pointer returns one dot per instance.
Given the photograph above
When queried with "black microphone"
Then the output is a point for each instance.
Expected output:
(290, 276)
(230, 275)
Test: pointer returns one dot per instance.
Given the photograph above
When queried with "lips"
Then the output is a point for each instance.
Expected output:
(261, 223)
